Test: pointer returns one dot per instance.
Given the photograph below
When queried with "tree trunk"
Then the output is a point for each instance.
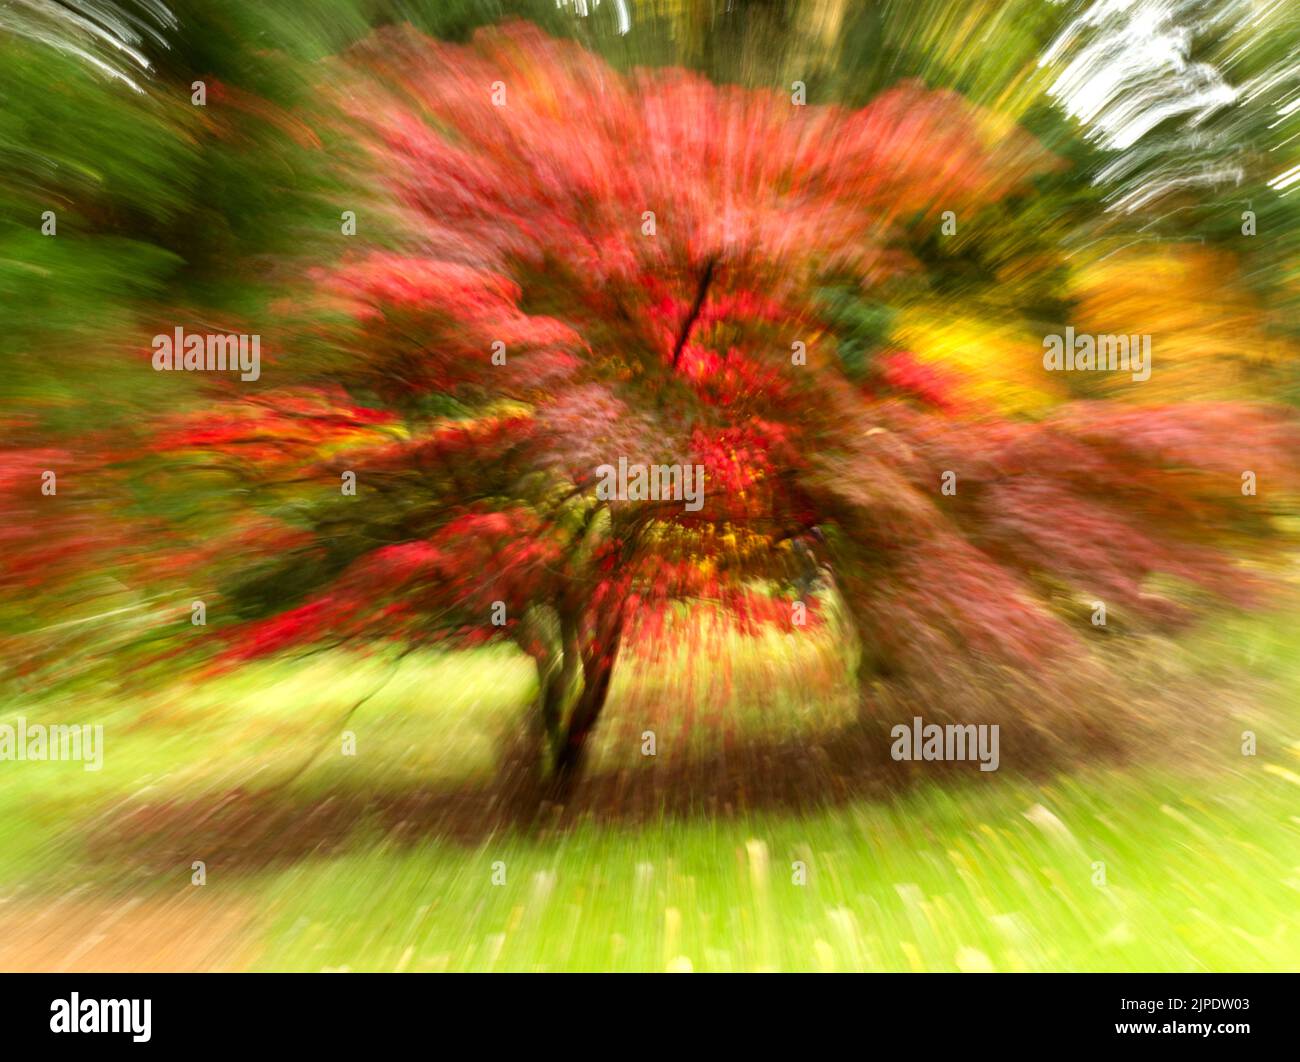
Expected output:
(597, 670)
(540, 637)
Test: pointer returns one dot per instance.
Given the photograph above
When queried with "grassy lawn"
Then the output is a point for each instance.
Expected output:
(944, 880)
(332, 866)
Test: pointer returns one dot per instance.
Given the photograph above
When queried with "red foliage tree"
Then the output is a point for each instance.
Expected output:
(646, 250)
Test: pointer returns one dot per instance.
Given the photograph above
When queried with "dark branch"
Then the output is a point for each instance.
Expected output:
(700, 295)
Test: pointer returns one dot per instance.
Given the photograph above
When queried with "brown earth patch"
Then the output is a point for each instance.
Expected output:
(83, 934)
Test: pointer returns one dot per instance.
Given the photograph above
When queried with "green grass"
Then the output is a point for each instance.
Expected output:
(970, 878)
(1201, 858)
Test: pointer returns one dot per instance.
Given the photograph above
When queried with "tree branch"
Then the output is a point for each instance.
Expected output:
(689, 323)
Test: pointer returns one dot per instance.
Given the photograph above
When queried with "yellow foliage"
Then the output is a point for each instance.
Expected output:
(1207, 329)
(995, 364)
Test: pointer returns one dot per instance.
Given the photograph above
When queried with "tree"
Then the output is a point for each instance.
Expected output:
(572, 269)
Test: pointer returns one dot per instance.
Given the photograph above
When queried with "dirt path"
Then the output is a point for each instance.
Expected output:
(83, 934)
